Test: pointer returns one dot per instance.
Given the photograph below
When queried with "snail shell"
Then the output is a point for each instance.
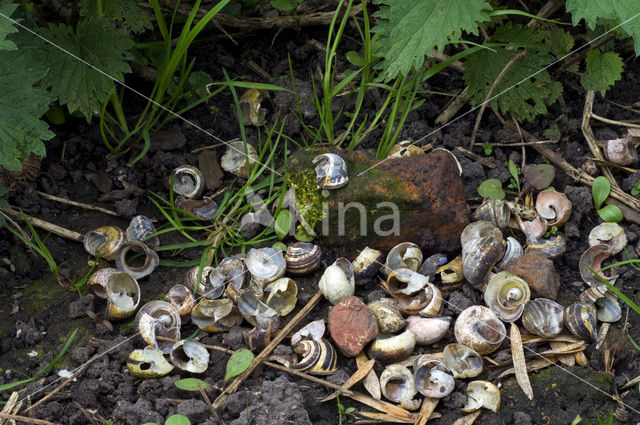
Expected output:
(123, 296)
(204, 209)
(367, 264)
(431, 378)
(621, 151)
(188, 181)
(234, 271)
(554, 207)
(211, 284)
(494, 211)
(158, 318)
(151, 259)
(592, 258)
(265, 264)
(432, 263)
(98, 281)
(594, 293)
(214, 316)
(314, 330)
(506, 295)
(406, 255)
(331, 171)
(302, 258)
(462, 361)
(479, 328)
(250, 107)
(405, 149)
(190, 356)
(552, 247)
(480, 255)
(482, 394)
(434, 304)
(387, 315)
(428, 330)
(477, 230)
(513, 250)
(397, 385)
(406, 282)
(534, 229)
(257, 313)
(337, 281)
(256, 339)
(611, 234)
(234, 159)
(543, 317)
(608, 308)
(140, 229)
(580, 320)
(451, 274)
(148, 363)
(282, 295)
(318, 357)
(104, 241)
(391, 349)
(181, 298)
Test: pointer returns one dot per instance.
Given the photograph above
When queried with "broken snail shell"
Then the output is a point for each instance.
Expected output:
(480, 255)
(331, 171)
(462, 361)
(494, 211)
(124, 263)
(552, 247)
(404, 281)
(534, 229)
(313, 330)
(123, 296)
(283, 295)
(158, 319)
(387, 315)
(318, 357)
(217, 315)
(431, 377)
(543, 317)
(393, 348)
(366, 265)
(580, 320)
(397, 385)
(251, 107)
(337, 281)
(234, 159)
(506, 295)
(479, 328)
(451, 274)
(204, 209)
(181, 298)
(554, 207)
(434, 304)
(190, 356)
(513, 250)
(256, 339)
(257, 313)
(98, 281)
(405, 149)
(428, 330)
(104, 241)
(302, 258)
(432, 263)
(265, 264)
(611, 234)
(188, 181)
(477, 230)
(621, 151)
(211, 284)
(406, 255)
(482, 394)
(148, 363)
(608, 308)
(592, 258)
(140, 229)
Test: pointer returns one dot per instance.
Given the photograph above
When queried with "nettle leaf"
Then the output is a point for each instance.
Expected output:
(540, 176)
(22, 132)
(238, 363)
(6, 26)
(602, 71)
(99, 43)
(125, 12)
(408, 30)
(559, 41)
(524, 90)
(491, 189)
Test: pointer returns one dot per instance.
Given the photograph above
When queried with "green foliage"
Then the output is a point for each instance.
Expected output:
(487, 148)
(191, 384)
(342, 410)
(636, 189)
(515, 173)
(560, 41)
(6, 26)
(127, 13)
(177, 420)
(491, 188)
(409, 30)
(602, 70)
(600, 192)
(283, 223)
(610, 214)
(238, 363)
(540, 176)
(285, 5)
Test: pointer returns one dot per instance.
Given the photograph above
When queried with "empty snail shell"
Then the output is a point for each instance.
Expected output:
(543, 317)
(462, 361)
(387, 315)
(608, 308)
(233, 272)
(282, 295)
(431, 377)
(188, 181)
(580, 320)
(265, 264)
(592, 258)
(124, 263)
(181, 298)
(535, 228)
(256, 339)
(594, 293)
(190, 356)
(476, 230)
(234, 159)
(123, 296)
(140, 229)
(513, 250)
(480, 255)
(428, 330)
(405, 281)
(494, 211)
(302, 258)
(621, 151)
(506, 295)
(257, 313)
(148, 363)
(611, 234)
(405, 149)
(313, 330)
(331, 171)
(367, 264)
(211, 284)
(318, 357)
(397, 385)
(158, 319)
(217, 315)
(390, 349)
(434, 303)
(482, 394)
(432, 263)
(337, 281)
(98, 281)
(554, 207)
(205, 208)
(552, 247)
(251, 107)
(406, 255)
(479, 328)
(451, 274)
(104, 241)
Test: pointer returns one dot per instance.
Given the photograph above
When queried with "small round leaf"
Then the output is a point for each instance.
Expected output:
(610, 214)
(238, 363)
(492, 189)
(177, 420)
(600, 190)
(191, 384)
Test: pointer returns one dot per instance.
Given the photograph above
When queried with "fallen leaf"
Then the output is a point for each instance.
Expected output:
(519, 362)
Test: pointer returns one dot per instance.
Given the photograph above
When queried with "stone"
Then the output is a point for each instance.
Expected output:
(416, 199)
(352, 326)
(538, 272)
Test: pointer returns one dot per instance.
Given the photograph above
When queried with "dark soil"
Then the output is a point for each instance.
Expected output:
(76, 168)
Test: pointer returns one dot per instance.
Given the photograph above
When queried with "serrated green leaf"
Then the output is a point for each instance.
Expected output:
(191, 384)
(283, 223)
(610, 214)
(6, 26)
(600, 190)
(238, 363)
(125, 12)
(409, 30)
(285, 5)
(602, 71)
(560, 41)
(95, 41)
(177, 420)
(491, 189)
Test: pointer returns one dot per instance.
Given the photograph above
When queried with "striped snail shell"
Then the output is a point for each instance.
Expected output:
(318, 357)
(543, 317)
(158, 319)
(580, 320)
(140, 229)
(188, 181)
(302, 258)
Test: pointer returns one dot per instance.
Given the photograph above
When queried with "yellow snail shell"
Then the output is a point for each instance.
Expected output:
(396, 383)
(318, 357)
(123, 296)
(148, 363)
(390, 349)
(104, 241)
(482, 394)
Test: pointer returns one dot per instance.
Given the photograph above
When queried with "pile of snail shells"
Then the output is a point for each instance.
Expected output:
(188, 185)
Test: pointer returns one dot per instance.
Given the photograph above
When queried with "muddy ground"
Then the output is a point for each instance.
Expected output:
(39, 314)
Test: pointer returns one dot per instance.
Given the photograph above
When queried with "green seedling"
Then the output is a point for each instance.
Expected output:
(342, 410)
(636, 189)
(492, 189)
(191, 384)
(9, 264)
(600, 192)
(515, 176)
(238, 363)
(488, 148)
(173, 420)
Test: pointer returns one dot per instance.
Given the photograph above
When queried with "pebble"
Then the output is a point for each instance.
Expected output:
(352, 326)
(539, 272)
